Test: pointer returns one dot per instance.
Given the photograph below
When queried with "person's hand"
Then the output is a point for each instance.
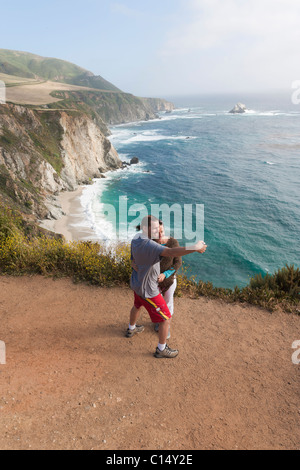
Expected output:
(161, 278)
(200, 247)
(134, 266)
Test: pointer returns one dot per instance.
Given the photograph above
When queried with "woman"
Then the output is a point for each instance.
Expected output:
(168, 268)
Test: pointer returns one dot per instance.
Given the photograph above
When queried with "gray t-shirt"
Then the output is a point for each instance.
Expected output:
(146, 254)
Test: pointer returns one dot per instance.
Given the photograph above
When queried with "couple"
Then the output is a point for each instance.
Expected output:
(147, 255)
(169, 267)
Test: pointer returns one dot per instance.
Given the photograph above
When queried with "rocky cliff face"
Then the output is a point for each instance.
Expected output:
(62, 145)
(111, 108)
(158, 104)
(129, 108)
(43, 152)
(86, 152)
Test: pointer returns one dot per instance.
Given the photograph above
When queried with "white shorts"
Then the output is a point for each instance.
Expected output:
(169, 296)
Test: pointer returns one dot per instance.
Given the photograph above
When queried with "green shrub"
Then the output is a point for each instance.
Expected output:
(82, 261)
(285, 280)
(280, 289)
(10, 223)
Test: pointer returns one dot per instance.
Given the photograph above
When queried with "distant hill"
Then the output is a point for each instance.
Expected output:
(27, 65)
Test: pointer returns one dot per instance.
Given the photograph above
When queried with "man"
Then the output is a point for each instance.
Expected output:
(144, 282)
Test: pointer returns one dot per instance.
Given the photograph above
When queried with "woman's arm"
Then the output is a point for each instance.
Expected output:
(166, 275)
(177, 260)
(169, 273)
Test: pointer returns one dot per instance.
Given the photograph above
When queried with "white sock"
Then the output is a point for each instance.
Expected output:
(131, 327)
(161, 347)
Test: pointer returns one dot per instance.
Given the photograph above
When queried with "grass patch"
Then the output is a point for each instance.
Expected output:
(47, 139)
(18, 193)
(84, 262)
(280, 289)
(7, 139)
(10, 224)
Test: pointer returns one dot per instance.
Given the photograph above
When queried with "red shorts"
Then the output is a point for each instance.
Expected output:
(156, 307)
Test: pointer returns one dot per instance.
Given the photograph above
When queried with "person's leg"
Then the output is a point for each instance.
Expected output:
(163, 350)
(159, 313)
(163, 331)
(169, 297)
(133, 328)
(134, 315)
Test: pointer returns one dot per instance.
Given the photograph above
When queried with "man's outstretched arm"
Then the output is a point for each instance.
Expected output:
(199, 247)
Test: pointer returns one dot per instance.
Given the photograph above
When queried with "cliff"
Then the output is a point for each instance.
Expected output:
(55, 147)
(111, 108)
(43, 152)
(56, 140)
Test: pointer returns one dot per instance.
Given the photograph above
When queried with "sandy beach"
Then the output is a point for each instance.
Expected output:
(72, 225)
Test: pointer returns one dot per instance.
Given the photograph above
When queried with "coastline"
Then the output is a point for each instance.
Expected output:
(72, 225)
(70, 213)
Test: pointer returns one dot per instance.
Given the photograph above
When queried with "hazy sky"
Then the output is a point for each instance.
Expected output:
(164, 47)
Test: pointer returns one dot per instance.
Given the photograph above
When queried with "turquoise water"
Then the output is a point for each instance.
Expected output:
(245, 169)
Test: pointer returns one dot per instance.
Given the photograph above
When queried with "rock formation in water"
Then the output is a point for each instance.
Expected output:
(239, 108)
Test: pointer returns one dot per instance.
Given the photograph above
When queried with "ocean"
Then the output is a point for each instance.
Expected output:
(244, 170)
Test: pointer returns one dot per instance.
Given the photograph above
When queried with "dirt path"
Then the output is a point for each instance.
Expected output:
(73, 381)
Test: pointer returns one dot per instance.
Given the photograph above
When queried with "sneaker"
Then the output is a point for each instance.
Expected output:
(138, 329)
(166, 353)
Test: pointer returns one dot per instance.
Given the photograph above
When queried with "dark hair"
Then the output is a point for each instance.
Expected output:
(147, 221)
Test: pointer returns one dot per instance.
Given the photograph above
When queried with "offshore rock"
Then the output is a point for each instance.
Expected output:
(239, 108)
